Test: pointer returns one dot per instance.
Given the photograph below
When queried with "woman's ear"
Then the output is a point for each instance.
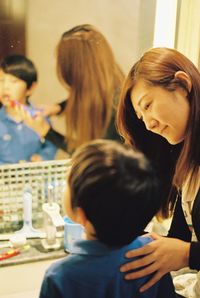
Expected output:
(185, 78)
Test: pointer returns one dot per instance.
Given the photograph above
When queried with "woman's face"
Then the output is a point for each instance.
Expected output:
(163, 112)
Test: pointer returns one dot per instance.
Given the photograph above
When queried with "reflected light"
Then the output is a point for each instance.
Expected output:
(165, 23)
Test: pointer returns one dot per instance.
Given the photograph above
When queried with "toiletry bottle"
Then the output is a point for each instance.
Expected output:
(27, 230)
(53, 221)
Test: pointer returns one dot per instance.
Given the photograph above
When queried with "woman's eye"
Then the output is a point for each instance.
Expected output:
(146, 106)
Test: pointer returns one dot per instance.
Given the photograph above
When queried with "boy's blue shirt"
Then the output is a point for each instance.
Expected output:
(92, 271)
(19, 142)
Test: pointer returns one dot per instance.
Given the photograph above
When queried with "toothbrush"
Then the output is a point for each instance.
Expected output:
(32, 112)
(9, 254)
(13, 252)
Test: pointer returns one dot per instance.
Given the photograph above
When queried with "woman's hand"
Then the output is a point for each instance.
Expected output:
(159, 257)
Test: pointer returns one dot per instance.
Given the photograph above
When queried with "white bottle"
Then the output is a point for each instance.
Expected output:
(27, 230)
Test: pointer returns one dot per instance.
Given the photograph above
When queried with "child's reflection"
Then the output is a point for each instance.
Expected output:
(18, 142)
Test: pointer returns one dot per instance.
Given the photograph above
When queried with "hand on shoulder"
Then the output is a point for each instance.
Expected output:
(159, 257)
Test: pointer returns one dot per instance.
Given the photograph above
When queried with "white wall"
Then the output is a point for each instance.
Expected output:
(188, 30)
(127, 24)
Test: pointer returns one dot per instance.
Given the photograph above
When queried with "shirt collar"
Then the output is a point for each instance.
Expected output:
(90, 247)
(97, 248)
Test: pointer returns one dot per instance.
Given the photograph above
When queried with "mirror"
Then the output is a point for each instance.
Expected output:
(128, 26)
(122, 24)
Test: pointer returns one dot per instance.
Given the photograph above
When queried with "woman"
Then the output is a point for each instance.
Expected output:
(159, 114)
(87, 69)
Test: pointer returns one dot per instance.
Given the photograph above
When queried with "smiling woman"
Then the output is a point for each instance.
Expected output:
(158, 113)
(163, 112)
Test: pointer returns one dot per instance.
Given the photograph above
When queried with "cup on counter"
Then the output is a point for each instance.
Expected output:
(72, 233)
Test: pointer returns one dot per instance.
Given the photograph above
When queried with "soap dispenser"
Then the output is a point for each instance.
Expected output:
(53, 221)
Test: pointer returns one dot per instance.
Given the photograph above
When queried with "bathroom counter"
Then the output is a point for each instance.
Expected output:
(24, 272)
(34, 253)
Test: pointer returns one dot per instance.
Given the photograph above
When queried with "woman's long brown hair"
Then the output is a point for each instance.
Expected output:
(86, 65)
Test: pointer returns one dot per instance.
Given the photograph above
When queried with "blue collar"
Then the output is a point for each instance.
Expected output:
(97, 248)
(90, 247)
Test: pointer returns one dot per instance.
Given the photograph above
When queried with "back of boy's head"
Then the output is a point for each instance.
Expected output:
(20, 67)
(116, 187)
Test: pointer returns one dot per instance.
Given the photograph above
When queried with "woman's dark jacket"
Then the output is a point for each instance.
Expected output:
(179, 229)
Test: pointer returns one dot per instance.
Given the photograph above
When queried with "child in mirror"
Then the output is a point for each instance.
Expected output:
(18, 142)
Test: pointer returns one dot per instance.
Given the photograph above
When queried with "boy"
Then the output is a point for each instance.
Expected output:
(17, 141)
(114, 193)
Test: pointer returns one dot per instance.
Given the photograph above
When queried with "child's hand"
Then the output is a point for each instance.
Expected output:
(35, 158)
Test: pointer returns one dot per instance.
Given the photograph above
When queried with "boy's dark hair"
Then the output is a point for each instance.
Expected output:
(116, 187)
(20, 67)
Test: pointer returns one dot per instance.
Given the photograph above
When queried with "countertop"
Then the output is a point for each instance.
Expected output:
(34, 253)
